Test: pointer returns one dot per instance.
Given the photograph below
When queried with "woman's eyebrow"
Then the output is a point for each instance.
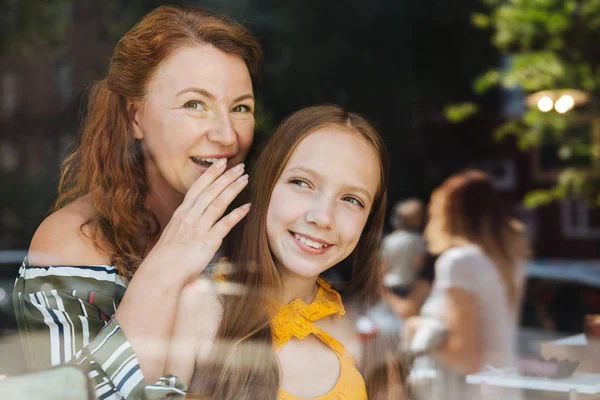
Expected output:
(211, 96)
(202, 92)
(244, 97)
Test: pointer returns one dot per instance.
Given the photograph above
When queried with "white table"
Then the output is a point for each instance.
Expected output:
(422, 377)
(578, 383)
(575, 340)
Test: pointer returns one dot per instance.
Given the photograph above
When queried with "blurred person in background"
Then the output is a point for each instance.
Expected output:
(478, 281)
(410, 304)
(408, 276)
(403, 250)
(141, 199)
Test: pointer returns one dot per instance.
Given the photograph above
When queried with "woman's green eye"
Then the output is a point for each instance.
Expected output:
(195, 105)
(242, 108)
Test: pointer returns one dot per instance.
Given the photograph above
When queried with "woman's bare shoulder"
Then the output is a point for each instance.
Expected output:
(61, 240)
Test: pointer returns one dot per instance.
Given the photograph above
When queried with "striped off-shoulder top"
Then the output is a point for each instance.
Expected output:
(65, 315)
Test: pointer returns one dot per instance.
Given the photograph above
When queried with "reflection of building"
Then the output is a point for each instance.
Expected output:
(569, 227)
(563, 229)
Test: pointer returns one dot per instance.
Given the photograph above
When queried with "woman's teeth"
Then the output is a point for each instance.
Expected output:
(309, 242)
(206, 161)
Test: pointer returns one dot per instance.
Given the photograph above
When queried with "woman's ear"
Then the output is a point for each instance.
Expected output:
(134, 117)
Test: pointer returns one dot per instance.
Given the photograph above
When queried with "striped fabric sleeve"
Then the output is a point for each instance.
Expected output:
(114, 370)
(60, 309)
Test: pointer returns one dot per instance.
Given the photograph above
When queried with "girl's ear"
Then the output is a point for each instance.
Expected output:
(133, 110)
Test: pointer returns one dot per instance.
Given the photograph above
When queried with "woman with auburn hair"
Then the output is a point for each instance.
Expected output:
(478, 280)
(142, 197)
(276, 328)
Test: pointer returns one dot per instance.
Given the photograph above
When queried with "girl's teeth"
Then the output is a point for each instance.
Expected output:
(309, 242)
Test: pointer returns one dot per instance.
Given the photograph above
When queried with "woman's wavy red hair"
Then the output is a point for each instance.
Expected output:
(107, 162)
(467, 208)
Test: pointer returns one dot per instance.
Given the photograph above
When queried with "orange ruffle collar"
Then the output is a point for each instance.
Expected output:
(296, 318)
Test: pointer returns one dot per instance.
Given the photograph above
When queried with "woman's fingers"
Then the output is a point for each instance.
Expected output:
(205, 189)
(225, 224)
(198, 219)
(213, 191)
(206, 179)
(214, 211)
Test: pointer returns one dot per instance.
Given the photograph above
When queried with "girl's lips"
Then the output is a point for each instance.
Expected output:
(308, 249)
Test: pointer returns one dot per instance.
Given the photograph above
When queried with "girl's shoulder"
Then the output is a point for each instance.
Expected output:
(64, 238)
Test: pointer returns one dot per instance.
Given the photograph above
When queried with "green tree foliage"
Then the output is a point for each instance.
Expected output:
(552, 46)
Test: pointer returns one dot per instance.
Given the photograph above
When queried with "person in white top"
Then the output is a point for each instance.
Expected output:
(478, 282)
(403, 250)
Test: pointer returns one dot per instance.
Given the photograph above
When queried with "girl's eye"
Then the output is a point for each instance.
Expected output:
(299, 182)
(195, 105)
(355, 201)
(242, 108)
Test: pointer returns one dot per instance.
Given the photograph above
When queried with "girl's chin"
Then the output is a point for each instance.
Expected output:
(304, 272)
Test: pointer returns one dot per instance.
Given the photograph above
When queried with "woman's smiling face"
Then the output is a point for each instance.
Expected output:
(322, 200)
(198, 108)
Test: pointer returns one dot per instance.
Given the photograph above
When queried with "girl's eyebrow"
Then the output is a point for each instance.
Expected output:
(312, 172)
(308, 170)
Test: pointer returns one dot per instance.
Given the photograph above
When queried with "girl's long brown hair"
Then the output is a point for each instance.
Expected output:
(108, 163)
(467, 208)
(244, 364)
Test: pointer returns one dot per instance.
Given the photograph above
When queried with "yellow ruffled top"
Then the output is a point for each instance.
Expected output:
(296, 320)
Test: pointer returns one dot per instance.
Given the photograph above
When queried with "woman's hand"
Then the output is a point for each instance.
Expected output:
(197, 228)
(188, 243)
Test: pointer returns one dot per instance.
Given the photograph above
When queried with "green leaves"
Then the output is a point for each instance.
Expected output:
(456, 113)
(571, 182)
(531, 24)
(550, 45)
(534, 71)
(486, 81)
(480, 20)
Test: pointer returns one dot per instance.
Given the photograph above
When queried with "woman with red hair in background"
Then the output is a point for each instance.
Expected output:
(478, 281)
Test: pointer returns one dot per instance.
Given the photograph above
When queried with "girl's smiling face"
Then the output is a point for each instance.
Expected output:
(321, 201)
